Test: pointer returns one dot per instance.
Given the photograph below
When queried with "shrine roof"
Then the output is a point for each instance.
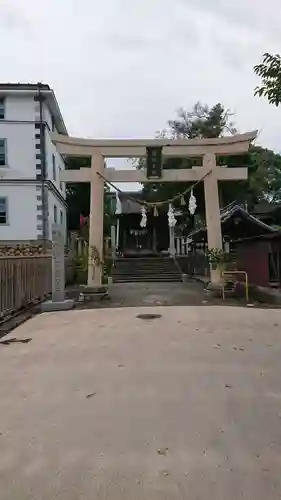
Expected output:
(128, 203)
(235, 219)
(129, 206)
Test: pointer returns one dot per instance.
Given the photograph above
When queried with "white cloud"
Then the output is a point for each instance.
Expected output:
(121, 68)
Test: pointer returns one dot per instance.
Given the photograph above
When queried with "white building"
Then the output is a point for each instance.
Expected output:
(31, 196)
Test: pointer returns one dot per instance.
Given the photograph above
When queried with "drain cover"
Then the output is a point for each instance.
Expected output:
(149, 316)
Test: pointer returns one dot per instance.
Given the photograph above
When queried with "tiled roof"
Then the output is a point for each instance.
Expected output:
(232, 210)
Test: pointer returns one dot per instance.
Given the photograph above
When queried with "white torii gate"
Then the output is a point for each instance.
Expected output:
(98, 150)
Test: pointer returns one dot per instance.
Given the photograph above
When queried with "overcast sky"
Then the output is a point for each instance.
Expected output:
(121, 68)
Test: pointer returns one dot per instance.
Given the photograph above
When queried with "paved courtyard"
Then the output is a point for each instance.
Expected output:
(100, 404)
(158, 294)
(153, 294)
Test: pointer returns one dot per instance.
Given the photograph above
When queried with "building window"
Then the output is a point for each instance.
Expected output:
(54, 168)
(2, 108)
(2, 152)
(55, 214)
(61, 217)
(53, 125)
(3, 211)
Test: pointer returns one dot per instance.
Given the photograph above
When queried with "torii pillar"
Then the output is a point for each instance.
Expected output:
(95, 270)
(212, 209)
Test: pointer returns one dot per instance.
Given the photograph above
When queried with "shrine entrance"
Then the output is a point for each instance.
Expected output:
(136, 242)
(210, 173)
(129, 236)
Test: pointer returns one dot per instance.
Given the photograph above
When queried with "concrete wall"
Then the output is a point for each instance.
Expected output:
(22, 215)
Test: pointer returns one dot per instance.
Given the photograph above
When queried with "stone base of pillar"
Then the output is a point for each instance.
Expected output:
(94, 276)
(50, 306)
(92, 288)
(215, 276)
(84, 293)
(214, 289)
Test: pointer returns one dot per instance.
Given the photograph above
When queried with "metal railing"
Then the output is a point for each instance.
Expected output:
(233, 274)
(23, 280)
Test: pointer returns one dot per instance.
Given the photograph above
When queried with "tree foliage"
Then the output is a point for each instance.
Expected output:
(202, 122)
(270, 72)
(263, 183)
(264, 166)
(265, 174)
(77, 194)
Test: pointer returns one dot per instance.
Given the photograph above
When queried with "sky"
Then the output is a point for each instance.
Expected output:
(122, 68)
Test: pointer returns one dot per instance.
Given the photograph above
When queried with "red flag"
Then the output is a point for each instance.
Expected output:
(82, 220)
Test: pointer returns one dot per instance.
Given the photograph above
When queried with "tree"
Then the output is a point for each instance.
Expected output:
(270, 72)
(265, 174)
(77, 194)
(264, 166)
(201, 122)
(264, 179)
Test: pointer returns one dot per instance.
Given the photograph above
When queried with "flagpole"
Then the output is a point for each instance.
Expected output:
(117, 233)
(118, 212)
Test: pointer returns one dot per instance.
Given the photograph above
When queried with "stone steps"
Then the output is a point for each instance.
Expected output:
(136, 270)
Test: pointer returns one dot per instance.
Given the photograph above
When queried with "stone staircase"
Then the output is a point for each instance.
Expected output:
(145, 269)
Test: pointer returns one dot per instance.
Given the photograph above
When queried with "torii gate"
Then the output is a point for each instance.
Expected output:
(98, 150)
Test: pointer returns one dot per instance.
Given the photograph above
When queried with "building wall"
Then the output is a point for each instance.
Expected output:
(20, 150)
(24, 162)
(19, 131)
(59, 164)
(20, 107)
(252, 257)
(22, 214)
(47, 117)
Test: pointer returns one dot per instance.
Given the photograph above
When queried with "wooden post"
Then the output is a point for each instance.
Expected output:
(172, 249)
(154, 239)
(118, 233)
(178, 246)
(113, 242)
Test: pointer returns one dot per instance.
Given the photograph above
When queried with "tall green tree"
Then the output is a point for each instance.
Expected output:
(77, 194)
(201, 122)
(263, 183)
(264, 166)
(270, 72)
